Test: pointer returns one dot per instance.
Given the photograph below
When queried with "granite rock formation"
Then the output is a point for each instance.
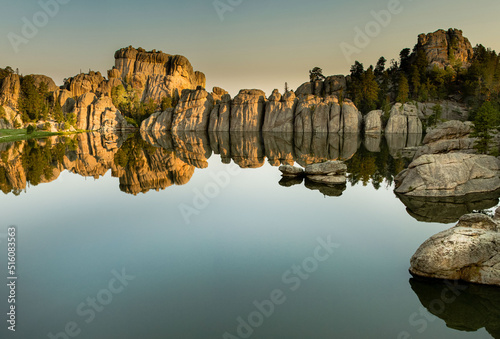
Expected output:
(469, 251)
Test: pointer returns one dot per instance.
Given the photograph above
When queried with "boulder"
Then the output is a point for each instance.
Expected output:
(247, 111)
(220, 115)
(351, 120)
(469, 251)
(454, 174)
(404, 120)
(326, 168)
(279, 113)
(373, 122)
(291, 171)
(450, 136)
(193, 111)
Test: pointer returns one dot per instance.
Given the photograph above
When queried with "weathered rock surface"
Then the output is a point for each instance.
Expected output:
(470, 251)
(159, 121)
(193, 111)
(221, 114)
(450, 136)
(38, 79)
(326, 168)
(451, 110)
(404, 120)
(156, 74)
(373, 122)
(10, 90)
(332, 85)
(454, 174)
(279, 113)
(93, 113)
(444, 48)
(247, 111)
(291, 171)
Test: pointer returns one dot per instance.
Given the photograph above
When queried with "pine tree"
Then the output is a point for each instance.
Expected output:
(403, 89)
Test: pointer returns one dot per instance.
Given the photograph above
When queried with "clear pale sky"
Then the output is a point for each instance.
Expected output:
(259, 44)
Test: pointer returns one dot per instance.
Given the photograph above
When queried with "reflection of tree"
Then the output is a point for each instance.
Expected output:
(378, 167)
(30, 162)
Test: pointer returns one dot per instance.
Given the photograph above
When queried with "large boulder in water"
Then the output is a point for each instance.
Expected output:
(470, 251)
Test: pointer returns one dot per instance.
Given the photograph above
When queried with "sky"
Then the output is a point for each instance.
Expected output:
(238, 44)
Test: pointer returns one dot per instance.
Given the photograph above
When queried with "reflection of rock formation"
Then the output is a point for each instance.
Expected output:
(328, 190)
(94, 154)
(279, 148)
(154, 168)
(464, 307)
(193, 148)
(247, 150)
(447, 209)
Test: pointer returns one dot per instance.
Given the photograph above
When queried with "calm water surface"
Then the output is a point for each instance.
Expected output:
(204, 230)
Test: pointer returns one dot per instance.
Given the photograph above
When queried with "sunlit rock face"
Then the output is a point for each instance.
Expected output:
(279, 113)
(247, 111)
(469, 251)
(10, 90)
(444, 48)
(98, 113)
(193, 111)
(155, 74)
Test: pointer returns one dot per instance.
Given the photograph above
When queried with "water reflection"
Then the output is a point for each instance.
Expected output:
(154, 161)
(466, 308)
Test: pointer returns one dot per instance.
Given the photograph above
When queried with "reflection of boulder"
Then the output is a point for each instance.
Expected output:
(372, 142)
(290, 181)
(464, 307)
(192, 147)
(279, 148)
(328, 190)
(220, 142)
(247, 150)
(447, 209)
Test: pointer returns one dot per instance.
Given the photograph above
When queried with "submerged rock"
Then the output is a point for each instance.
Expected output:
(470, 251)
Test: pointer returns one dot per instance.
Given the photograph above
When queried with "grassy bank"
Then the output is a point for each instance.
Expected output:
(9, 135)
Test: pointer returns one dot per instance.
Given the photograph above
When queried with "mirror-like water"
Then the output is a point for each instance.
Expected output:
(220, 246)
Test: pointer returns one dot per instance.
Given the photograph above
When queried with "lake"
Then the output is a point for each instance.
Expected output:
(198, 236)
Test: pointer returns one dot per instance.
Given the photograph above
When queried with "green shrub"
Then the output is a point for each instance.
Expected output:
(31, 129)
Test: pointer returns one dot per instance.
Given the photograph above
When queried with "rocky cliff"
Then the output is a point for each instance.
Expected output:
(445, 48)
